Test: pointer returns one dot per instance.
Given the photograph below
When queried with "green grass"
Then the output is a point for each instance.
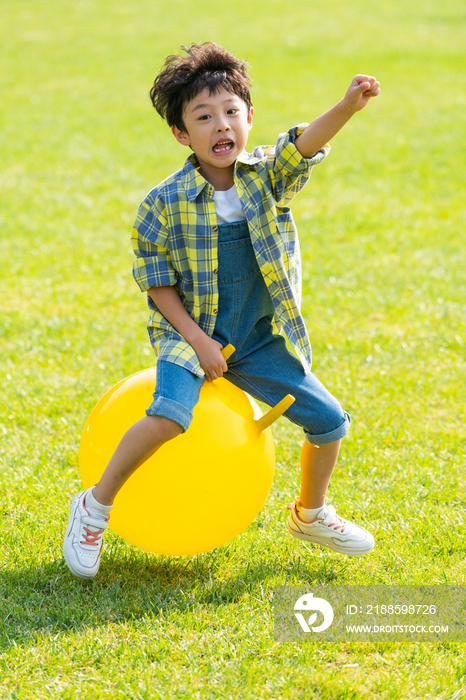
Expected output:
(381, 226)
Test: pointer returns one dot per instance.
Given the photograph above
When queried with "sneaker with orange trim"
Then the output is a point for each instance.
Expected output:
(83, 538)
(330, 530)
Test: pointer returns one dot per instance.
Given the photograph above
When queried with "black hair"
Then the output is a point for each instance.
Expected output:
(205, 65)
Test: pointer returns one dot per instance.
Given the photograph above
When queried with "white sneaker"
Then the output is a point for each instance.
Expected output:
(83, 539)
(330, 530)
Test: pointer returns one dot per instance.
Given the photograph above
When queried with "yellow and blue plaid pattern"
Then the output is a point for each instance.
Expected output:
(175, 242)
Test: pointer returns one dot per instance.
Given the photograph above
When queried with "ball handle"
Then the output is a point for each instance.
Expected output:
(275, 412)
(228, 350)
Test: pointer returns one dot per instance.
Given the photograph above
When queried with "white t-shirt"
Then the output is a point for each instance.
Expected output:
(228, 206)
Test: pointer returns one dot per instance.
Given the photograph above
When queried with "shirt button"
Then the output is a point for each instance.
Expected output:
(216, 271)
(215, 311)
(215, 228)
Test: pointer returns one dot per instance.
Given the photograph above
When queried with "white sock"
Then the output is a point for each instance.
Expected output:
(308, 514)
(99, 510)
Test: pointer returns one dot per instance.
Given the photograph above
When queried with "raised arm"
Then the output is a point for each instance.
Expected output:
(324, 128)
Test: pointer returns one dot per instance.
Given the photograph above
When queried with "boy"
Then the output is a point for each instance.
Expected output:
(218, 255)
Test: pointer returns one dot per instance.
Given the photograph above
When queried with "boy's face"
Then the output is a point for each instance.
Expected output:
(217, 128)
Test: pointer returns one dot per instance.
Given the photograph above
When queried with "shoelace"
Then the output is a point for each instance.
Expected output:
(92, 537)
(339, 523)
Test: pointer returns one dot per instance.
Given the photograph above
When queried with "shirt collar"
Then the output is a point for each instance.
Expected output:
(192, 178)
(195, 183)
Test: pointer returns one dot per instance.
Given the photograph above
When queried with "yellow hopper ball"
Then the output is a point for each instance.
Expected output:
(219, 471)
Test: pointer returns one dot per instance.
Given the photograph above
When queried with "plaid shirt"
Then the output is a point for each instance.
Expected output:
(175, 240)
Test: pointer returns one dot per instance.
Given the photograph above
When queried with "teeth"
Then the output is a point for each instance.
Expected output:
(221, 145)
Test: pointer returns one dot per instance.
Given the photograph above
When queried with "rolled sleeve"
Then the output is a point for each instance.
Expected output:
(153, 266)
(288, 168)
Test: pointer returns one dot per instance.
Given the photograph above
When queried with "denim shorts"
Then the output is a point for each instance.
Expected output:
(261, 365)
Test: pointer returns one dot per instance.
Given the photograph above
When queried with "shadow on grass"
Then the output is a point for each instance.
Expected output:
(134, 585)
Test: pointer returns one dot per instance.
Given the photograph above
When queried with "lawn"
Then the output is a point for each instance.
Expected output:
(381, 226)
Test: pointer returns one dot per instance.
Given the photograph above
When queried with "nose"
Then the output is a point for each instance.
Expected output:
(222, 126)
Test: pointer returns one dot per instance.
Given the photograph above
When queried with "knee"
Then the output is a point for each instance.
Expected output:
(323, 416)
(165, 428)
(171, 413)
(172, 428)
(333, 414)
(329, 428)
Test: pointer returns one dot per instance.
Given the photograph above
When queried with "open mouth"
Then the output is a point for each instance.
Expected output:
(223, 147)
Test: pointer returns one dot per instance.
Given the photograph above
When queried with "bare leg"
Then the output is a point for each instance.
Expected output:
(317, 465)
(136, 446)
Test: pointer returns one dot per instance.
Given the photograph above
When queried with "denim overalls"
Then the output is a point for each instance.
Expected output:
(261, 364)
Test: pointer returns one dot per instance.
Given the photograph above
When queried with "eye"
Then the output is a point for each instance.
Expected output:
(233, 110)
(204, 117)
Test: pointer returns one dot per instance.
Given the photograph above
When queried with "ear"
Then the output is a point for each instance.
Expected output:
(181, 136)
(250, 115)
